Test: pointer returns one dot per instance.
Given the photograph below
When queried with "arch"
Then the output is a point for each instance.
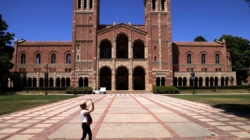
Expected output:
(106, 78)
(79, 4)
(58, 82)
(139, 78)
(158, 81)
(138, 49)
(122, 78)
(222, 81)
(29, 82)
(217, 58)
(211, 81)
(122, 46)
(105, 49)
(51, 82)
(196, 81)
(207, 81)
(86, 82)
(63, 82)
(46, 82)
(189, 58)
(153, 4)
(38, 58)
(23, 58)
(163, 4)
(180, 81)
(191, 82)
(41, 82)
(67, 82)
(68, 58)
(175, 81)
(163, 81)
(216, 81)
(53, 58)
(231, 81)
(80, 82)
(185, 81)
(227, 81)
(200, 81)
(203, 58)
(34, 82)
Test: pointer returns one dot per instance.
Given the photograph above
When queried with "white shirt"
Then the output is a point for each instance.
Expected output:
(83, 117)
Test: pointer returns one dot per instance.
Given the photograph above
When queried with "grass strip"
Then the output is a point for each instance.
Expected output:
(13, 103)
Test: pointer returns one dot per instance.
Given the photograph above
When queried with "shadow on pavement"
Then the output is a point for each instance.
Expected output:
(241, 110)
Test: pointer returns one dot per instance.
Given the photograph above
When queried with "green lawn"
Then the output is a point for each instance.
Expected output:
(12, 103)
(239, 103)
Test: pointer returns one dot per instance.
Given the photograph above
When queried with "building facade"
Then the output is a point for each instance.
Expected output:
(121, 56)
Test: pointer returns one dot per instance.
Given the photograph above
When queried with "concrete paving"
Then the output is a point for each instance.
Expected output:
(126, 116)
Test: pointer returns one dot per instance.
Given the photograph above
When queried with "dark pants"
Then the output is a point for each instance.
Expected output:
(86, 130)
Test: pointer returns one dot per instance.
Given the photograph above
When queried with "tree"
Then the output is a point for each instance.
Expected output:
(200, 39)
(6, 51)
(240, 55)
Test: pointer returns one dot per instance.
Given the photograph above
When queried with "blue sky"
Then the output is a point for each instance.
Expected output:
(51, 20)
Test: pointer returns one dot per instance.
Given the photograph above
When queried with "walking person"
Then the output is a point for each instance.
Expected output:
(86, 119)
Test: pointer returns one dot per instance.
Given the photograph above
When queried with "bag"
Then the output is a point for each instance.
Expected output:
(89, 119)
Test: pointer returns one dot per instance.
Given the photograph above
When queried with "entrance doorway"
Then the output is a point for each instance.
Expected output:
(122, 79)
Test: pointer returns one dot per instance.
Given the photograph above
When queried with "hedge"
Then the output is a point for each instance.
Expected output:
(214, 87)
(79, 90)
(165, 89)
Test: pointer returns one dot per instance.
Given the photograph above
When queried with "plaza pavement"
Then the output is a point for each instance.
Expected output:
(126, 116)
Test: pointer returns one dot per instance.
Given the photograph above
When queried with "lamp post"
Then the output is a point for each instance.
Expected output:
(46, 75)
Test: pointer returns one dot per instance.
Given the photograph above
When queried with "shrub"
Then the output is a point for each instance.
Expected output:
(165, 89)
(80, 90)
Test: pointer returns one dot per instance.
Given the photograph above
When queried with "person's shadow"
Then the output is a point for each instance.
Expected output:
(241, 110)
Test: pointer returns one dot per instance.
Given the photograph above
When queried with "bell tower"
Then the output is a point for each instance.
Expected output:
(85, 25)
(158, 26)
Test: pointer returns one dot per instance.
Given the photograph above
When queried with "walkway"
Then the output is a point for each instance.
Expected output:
(126, 116)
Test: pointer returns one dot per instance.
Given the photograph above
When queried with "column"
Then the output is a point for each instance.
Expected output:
(188, 82)
(129, 49)
(130, 81)
(177, 82)
(61, 82)
(113, 86)
(203, 82)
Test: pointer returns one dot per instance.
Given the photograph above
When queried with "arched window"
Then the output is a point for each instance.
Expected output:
(189, 58)
(79, 4)
(203, 59)
(153, 4)
(85, 4)
(162, 4)
(53, 58)
(175, 61)
(155, 58)
(154, 47)
(68, 59)
(217, 59)
(23, 58)
(38, 58)
(90, 4)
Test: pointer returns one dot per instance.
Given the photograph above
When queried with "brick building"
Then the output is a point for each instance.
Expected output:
(121, 56)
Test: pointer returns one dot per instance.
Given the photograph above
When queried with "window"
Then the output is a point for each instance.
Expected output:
(78, 47)
(90, 32)
(68, 59)
(37, 70)
(154, 47)
(217, 69)
(78, 57)
(189, 58)
(53, 58)
(23, 59)
(203, 59)
(90, 4)
(217, 59)
(38, 58)
(22, 69)
(85, 3)
(176, 69)
(162, 4)
(155, 58)
(153, 4)
(90, 18)
(175, 59)
(204, 69)
(79, 4)
(52, 69)
(67, 69)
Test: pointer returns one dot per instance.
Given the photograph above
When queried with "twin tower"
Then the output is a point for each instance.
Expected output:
(122, 56)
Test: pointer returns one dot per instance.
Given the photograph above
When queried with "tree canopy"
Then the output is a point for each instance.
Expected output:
(200, 39)
(6, 50)
(240, 55)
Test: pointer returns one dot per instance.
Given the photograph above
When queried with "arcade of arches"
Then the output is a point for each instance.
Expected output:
(201, 81)
(121, 78)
